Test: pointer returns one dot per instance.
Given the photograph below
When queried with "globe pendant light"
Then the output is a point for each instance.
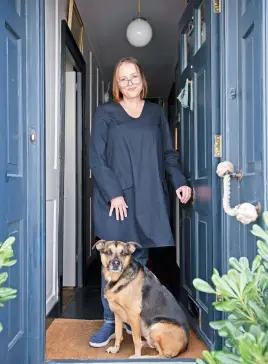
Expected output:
(139, 31)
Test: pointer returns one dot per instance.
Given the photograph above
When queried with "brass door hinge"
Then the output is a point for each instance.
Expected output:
(217, 146)
(217, 6)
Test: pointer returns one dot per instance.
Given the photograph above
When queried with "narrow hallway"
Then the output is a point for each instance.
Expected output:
(84, 86)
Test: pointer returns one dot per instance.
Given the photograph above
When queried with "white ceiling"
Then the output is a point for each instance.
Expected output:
(105, 23)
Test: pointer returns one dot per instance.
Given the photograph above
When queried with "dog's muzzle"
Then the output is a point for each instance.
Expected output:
(115, 266)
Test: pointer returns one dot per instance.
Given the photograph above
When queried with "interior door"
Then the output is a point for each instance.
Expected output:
(13, 179)
(244, 115)
(52, 151)
(198, 224)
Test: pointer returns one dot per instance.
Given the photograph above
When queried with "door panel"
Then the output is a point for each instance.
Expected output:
(244, 143)
(196, 141)
(250, 112)
(14, 181)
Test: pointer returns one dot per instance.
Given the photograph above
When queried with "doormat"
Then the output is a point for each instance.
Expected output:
(68, 339)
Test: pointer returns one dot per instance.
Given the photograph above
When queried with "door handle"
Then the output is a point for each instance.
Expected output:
(244, 213)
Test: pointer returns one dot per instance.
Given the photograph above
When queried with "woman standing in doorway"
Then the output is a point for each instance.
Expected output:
(131, 149)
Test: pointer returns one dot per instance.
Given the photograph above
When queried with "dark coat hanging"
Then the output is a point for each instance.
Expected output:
(129, 157)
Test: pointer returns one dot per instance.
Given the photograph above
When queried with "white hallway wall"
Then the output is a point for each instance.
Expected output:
(56, 11)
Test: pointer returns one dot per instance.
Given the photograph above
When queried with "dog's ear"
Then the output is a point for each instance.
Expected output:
(99, 245)
(132, 246)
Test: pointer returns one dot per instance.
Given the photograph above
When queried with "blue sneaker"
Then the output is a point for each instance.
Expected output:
(106, 334)
(103, 336)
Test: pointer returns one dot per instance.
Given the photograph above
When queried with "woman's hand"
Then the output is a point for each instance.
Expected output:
(184, 194)
(119, 205)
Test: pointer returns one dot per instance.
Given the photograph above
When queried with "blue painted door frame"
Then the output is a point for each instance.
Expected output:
(34, 350)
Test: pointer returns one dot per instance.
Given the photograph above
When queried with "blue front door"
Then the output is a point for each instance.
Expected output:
(200, 249)
(243, 119)
(20, 120)
(14, 172)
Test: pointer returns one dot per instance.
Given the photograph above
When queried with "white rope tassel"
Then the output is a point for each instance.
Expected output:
(244, 213)
(226, 197)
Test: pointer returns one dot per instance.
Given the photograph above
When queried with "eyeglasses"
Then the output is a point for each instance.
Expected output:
(125, 81)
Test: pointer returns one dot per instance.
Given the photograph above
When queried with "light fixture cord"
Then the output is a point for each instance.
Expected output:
(139, 6)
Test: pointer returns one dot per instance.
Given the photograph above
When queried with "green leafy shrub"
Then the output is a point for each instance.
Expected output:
(6, 253)
(244, 299)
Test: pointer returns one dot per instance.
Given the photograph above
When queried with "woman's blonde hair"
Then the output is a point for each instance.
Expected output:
(117, 94)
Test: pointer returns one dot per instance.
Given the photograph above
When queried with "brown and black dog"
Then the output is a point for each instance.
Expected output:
(137, 297)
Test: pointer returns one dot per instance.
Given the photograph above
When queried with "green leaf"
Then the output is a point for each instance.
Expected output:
(1, 327)
(8, 243)
(232, 330)
(6, 291)
(259, 312)
(226, 306)
(208, 357)
(227, 358)
(216, 325)
(263, 255)
(237, 320)
(251, 291)
(222, 287)
(256, 263)
(10, 263)
(246, 347)
(203, 286)
(3, 277)
(259, 232)
(223, 332)
(265, 218)
(262, 246)
(264, 343)
(233, 280)
(8, 298)
(243, 282)
(263, 282)
(256, 331)
(233, 262)
(244, 263)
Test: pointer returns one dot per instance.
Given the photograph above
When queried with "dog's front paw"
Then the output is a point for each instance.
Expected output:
(113, 349)
(135, 357)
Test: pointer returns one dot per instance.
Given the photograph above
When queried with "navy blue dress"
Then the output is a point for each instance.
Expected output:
(129, 157)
